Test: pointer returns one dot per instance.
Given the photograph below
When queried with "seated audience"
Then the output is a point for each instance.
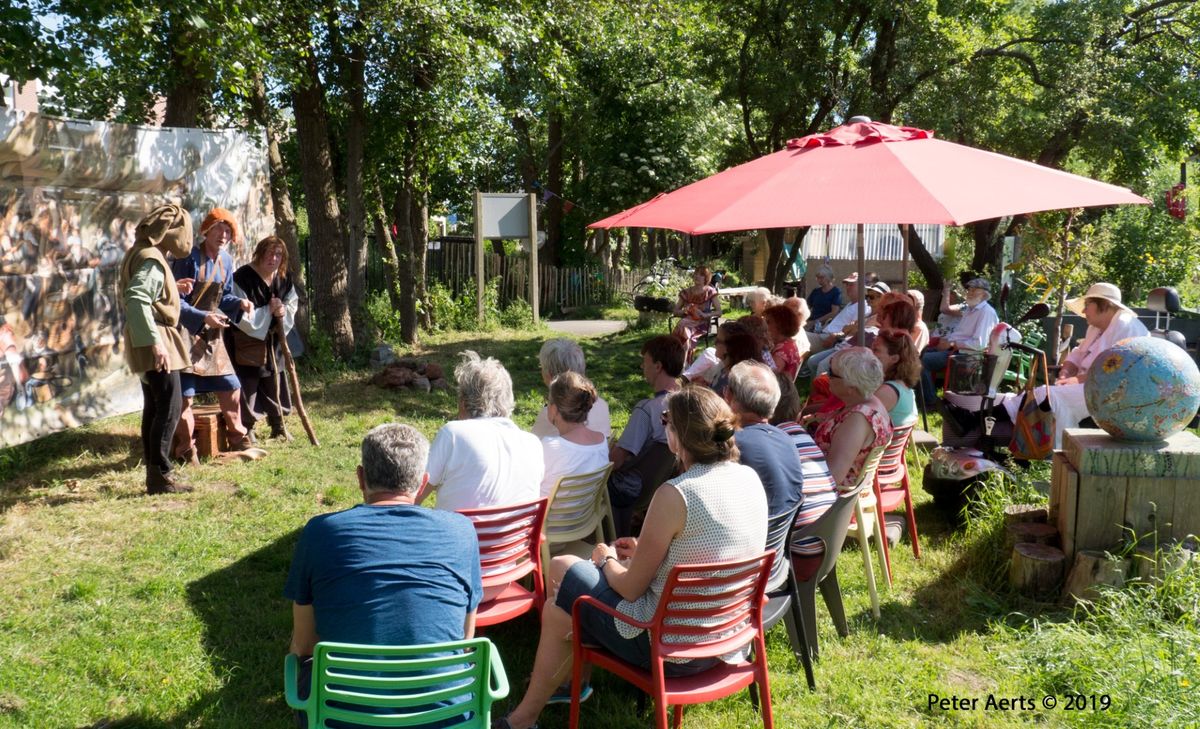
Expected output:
(385, 572)
(757, 326)
(662, 362)
(565, 355)
(758, 300)
(752, 395)
(833, 331)
(970, 334)
(715, 511)
(576, 449)
(800, 306)
(707, 367)
(921, 329)
(876, 294)
(782, 325)
(825, 301)
(695, 306)
(849, 436)
(483, 459)
(901, 371)
(1109, 321)
(743, 347)
(819, 491)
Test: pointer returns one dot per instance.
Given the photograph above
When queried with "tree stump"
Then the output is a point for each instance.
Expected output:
(1154, 566)
(1031, 532)
(1093, 568)
(1036, 569)
(1017, 513)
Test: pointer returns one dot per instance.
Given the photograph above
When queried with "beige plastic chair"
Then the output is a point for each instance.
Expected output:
(867, 521)
(579, 509)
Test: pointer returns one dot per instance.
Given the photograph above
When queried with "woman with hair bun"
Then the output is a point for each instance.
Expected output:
(715, 511)
(576, 449)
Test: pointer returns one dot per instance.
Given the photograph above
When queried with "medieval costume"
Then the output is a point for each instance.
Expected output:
(254, 344)
(155, 349)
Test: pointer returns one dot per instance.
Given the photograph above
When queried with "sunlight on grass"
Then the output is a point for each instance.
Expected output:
(168, 612)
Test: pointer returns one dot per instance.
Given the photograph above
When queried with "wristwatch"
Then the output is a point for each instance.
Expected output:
(607, 557)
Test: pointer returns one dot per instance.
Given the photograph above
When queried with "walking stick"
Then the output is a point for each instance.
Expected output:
(294, 384)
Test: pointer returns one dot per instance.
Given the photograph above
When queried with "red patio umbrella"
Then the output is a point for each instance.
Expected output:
(868, 172)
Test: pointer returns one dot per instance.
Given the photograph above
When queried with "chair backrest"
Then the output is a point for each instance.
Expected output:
(831, 528)
(655, 464)
(778, 529)
(510, 540)
(710, 610)
(406, 686)
(578, 504)
(892, 458)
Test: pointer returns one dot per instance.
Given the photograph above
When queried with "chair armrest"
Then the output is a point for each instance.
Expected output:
(589, 600)
(291, 667)
(499, 685)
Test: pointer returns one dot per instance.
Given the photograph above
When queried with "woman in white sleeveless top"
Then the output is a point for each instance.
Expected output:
(715, 511)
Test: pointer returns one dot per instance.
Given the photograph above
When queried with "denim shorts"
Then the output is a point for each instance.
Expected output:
(583, 578)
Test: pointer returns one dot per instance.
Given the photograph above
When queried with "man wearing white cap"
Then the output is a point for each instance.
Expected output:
(1109, 321)
(832, 333)
(971, 333)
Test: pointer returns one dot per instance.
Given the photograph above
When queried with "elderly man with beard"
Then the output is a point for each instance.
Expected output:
(154, 345)
(971, 334)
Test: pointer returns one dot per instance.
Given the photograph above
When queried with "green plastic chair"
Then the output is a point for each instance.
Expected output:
(400, 686)
(1021, 362)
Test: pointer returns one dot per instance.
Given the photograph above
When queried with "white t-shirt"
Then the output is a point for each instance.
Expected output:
(484, 462)
(564, 458)
(598, 420)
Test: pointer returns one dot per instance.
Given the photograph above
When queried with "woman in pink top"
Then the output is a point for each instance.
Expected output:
(782, 325)
(862, 425)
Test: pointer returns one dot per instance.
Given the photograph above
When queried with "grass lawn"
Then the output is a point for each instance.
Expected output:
(120, 610)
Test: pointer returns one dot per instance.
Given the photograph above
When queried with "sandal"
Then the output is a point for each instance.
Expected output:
(562, 695)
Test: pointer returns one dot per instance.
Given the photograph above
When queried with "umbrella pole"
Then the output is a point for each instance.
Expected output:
(904, 262)
(860, 337)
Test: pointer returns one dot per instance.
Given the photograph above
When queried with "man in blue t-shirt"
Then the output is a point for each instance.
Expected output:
(752, 395)
(385, 572)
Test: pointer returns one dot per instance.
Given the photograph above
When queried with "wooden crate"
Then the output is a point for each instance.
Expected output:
(210, 431)
(1105, 491)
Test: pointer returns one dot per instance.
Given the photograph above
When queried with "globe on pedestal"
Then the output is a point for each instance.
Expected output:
(1143, 389)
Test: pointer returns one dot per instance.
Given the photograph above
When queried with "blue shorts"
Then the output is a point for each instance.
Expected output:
(600, 628)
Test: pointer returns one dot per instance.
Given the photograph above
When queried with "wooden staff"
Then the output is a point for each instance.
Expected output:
(294, 383)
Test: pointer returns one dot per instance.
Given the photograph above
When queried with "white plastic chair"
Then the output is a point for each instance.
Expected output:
(579, 509)
(867, 520)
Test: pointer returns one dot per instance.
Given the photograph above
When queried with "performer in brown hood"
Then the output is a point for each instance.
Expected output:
(155, 348)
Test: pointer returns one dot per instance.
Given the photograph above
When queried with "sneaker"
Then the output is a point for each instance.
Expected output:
(172, 487)
(562, 695)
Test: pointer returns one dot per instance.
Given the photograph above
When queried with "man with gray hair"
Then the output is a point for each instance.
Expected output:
(561, 355)
(752, 395)
(483, 459)
(385, 572)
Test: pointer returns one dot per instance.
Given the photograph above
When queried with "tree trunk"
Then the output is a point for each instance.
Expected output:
(405, 253)
(387, 248)
(1036, 569)
(989, 245)
(356, 209)
(419, 220)
(189, 87)
(551, 252)
(924, 260)
(618, 254)
(281, 202)
(636, 253)
(774, 253)
(326, 248)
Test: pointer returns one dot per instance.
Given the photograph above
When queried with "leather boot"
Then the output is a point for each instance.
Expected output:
(158, 483)
(278, 429)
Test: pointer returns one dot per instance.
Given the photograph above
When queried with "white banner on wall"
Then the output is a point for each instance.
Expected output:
(71, 194)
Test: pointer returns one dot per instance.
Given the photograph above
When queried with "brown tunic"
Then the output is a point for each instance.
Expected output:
(165, 312)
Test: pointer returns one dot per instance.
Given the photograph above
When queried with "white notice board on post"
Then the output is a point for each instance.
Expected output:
(506, 215)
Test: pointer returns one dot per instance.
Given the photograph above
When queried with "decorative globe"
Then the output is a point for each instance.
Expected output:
(1143, 389)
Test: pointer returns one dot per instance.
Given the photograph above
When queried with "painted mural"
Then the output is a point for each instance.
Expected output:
(71, 194)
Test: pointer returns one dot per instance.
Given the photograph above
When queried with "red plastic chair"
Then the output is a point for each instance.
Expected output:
(892, 489)
(510, 541)
(728, 598)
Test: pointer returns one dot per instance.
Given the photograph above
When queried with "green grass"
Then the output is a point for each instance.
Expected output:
(122, 610)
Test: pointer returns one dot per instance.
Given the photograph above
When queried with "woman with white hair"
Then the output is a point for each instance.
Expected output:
(483, 459)
(824, 301)
(565, 355)
(862, 425)
(759, 299)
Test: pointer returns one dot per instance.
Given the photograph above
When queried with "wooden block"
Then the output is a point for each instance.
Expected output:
(1150, 505)
(1065, 509)
(1093, 568)
(1186, 519)
(1057, 485)
(1100, 515)
(207, 440)
(1036, 569)
(1096, 452)
(1015, 513)
(1031, 532)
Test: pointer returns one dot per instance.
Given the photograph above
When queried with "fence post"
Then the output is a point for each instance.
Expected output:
(533, 259)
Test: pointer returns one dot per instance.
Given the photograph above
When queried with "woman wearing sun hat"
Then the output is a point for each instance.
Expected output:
(1109, 321)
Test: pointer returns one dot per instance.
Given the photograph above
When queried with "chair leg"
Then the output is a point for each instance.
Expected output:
(795, 629)
(752, 689)
(912, 519)
(660, 714)
(865, 546)
(885, 559)
(807, 601)
(831, 592)
(641, 704)
(677, 716)
(764, 686)
(576, 689)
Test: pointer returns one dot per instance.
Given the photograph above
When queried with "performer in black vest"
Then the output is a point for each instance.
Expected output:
(254, 341)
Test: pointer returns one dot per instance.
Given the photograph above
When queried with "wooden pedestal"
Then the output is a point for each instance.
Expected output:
(1105, 491)
(210, 431)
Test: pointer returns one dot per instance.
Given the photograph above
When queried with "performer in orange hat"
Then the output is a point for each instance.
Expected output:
(208, 306)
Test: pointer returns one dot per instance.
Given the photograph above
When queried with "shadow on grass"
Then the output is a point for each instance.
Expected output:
(62, 457)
